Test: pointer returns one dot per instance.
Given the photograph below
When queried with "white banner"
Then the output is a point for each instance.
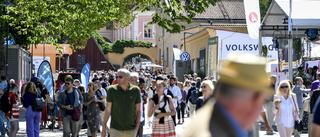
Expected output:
(177, 52)
(241, 42)
(252, 9)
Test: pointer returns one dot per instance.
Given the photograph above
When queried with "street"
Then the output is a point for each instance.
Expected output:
(147, 130)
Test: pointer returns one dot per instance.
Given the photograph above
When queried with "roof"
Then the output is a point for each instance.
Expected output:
(223, 10)
(305, 15)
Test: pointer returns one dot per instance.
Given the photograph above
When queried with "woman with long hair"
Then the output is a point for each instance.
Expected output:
(285, 109)
(32, 117)
(161, 106)
(93, 110)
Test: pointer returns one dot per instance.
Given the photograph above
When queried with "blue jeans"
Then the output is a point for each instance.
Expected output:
(2, 128)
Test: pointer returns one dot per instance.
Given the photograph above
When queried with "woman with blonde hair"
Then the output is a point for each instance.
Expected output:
(285, 109)
(206, 88)
(32, 117)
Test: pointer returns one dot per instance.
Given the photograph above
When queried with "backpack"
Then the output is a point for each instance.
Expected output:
(38, 104)
(5, 103)
(194, 96)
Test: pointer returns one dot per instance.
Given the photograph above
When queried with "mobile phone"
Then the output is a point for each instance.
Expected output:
(155, 114)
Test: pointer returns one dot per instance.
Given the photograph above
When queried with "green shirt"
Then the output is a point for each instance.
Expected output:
(123, 111)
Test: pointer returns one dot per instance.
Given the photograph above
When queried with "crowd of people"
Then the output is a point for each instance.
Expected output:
(133, 98)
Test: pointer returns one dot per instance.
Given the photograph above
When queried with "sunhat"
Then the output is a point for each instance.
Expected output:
(246, 71)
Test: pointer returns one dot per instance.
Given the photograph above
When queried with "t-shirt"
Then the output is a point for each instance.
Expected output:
(3, 85)
(123, 111)
(70, 99)
(316, 112)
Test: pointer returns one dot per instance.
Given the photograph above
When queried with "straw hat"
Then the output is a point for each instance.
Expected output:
(246, 71)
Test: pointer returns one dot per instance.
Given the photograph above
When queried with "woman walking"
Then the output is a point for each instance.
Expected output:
(207, 90)
(13, 114)
(93, 110)
(32, 117)
(161, 106)
(182, 105)
(285, 109)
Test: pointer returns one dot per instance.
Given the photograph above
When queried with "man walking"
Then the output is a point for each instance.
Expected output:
(123, 104)
(68, 100)
(176, 95)
(238, 99)
(299, 93)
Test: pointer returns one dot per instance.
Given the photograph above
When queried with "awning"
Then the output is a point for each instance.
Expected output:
(305, 15)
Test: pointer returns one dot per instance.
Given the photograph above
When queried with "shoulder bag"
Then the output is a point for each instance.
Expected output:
(76, 111)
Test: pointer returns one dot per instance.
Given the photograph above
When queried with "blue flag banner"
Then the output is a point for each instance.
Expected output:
(85, 75)
(45, 75)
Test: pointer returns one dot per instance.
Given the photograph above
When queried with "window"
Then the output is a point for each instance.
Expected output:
(81, 59)
(148, 30)
(167, 56)
(159, 54)
(163, 32)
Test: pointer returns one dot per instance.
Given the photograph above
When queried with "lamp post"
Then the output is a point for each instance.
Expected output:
(184, 40)
(162, 51)
(7, 4)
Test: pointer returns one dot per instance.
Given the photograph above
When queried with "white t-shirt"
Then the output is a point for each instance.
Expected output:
(103, 92)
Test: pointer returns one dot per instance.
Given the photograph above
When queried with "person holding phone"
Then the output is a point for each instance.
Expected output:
(285, 109)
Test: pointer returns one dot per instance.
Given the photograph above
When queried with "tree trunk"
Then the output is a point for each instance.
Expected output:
(2, 54)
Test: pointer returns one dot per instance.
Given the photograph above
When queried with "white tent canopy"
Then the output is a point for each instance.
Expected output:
(305, 15)
(152, 65)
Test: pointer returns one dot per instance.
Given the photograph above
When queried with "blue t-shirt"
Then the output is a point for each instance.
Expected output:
(3, 85)
(70, 99)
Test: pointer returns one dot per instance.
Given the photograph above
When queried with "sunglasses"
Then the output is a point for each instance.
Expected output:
(119, 77)
(67, 83)
(203, 86)
(89, 85)
(284, 86)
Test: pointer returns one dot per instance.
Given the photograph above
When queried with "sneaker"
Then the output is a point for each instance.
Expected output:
(61, 128)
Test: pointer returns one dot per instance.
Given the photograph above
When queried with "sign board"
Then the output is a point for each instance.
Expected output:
(185, 56)
(212, 56)
(235, 42)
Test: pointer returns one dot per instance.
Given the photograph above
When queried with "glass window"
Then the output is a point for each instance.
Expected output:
(81, 59)
(147, 30)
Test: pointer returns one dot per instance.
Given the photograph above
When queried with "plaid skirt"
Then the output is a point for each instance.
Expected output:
(167, 129)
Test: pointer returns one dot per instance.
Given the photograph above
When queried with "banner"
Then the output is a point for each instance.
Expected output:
(283, 56)
(176, 53)
(252, 10)
(202, 58)
(212, 59)
(85, 75)
(45, 75)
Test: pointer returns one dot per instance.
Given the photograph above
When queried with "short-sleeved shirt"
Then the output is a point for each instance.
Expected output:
(123, 111)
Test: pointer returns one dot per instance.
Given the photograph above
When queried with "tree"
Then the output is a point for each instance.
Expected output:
(53, 21)
(264, 6)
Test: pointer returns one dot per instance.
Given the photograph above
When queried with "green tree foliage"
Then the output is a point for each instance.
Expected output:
(105, 46)
(119, 45)
(38, 21)
(264, 6)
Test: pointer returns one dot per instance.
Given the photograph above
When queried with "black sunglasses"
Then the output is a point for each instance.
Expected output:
(68, 83)
(203, 86)
(119, 77)
(284, 86)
